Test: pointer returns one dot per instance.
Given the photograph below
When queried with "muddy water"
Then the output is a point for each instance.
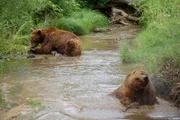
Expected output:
(77, 88)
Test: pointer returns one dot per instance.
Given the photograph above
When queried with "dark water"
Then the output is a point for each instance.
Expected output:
(77, 88)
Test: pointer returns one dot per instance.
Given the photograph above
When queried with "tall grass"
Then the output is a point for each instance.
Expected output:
(17, 17)
(157, 11)
(160, 37)
(82, 22)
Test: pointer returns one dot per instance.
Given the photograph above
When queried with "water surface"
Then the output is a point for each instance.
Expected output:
(77, 88)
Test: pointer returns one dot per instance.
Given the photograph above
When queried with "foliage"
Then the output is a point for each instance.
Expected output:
(34, 104)
(45, 9)
(151, 45)
(156, 11)
(125, 54)
(13, 19)
(16, 22)
(79, 22)
(159, 36)
(2, 102)
(67, 6)
(1, 99)
(91, 3)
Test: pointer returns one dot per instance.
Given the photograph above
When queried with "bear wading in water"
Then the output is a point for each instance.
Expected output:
(136, 88)
(53, 39)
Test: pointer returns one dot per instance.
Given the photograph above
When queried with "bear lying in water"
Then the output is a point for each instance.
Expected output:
(53, 39)
(136, 88)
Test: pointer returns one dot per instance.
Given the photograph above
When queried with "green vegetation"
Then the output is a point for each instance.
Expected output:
(34, 104)
(157, 46)
(160, 38)
(82, 22)
(91, 3)
(2, 104)
(17, 19)
(26, 117)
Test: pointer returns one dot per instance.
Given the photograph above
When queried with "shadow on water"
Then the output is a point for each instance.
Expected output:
(78, 87)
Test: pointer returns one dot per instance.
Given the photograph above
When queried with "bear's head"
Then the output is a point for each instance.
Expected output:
(36, 37)
(137, 80)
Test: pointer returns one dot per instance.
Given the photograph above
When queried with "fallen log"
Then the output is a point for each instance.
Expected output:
(117, 11)
(118, 19)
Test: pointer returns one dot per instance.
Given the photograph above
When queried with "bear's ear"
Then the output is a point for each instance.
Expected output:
(133, 72)
(32, 29)
(127, 77)
(39, 32)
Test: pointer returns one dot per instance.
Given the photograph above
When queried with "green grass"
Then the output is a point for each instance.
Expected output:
(82, 22)
(2, 102)
(34, 104)
(17, 44)
(150, 47)
(160, 38)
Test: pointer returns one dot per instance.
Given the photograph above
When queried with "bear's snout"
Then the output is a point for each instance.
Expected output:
(146, 78)
(33, 45)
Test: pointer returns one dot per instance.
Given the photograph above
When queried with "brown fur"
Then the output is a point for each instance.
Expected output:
(136, 87)
(53, 39)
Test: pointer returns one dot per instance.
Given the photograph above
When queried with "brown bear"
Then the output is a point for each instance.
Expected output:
(136, 88)
(53, 39)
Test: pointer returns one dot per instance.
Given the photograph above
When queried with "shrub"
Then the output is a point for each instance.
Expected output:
(45, 9)
(18, 18)
(91, 3)
(67, 6)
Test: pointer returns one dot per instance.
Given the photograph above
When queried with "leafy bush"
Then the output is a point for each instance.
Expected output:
(91, 3)
(67, 6)
(45, 9)
(156, 11)
(16, 22)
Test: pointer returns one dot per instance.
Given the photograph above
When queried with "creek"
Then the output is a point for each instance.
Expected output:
(77, 88)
